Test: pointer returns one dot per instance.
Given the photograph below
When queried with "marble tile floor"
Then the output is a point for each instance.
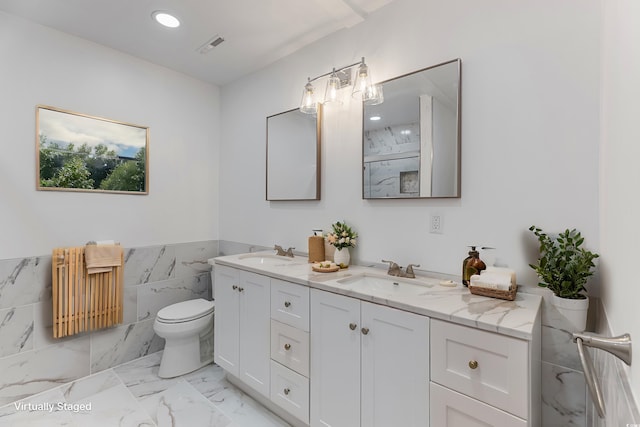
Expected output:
(132, 395)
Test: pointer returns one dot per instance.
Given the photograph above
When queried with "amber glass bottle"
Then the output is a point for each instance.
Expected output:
(472, 265)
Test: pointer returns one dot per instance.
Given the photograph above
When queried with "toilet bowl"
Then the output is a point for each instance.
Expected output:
(186, 327)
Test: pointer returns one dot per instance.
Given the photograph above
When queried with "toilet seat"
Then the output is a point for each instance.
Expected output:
(186, 311)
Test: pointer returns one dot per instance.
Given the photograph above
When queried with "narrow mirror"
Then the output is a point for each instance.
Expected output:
(293, 156)
(411, 142)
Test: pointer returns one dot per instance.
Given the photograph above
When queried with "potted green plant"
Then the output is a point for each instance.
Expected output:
(564, 267)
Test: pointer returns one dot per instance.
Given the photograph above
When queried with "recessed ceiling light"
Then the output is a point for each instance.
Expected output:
(165, 18)
(374, 118)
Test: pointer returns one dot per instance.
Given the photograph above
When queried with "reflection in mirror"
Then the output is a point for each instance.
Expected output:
(293, 156)
(411, 142)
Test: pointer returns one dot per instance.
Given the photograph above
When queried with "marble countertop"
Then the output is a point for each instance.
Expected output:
(516, 318)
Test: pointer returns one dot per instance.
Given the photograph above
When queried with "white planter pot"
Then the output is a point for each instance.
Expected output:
(574, 310)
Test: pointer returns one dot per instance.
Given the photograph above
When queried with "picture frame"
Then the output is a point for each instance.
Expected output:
(79, 152)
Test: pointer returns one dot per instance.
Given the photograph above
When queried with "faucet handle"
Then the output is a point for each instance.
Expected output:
(289, 252)
(394, 268)
(279, 250)
(409, 270)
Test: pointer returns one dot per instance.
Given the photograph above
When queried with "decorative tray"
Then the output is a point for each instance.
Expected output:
(331, 269)
(325, 267)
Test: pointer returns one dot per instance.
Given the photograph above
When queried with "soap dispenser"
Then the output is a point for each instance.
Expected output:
(472, 265)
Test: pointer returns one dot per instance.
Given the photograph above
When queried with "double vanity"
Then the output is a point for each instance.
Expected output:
(360, 348)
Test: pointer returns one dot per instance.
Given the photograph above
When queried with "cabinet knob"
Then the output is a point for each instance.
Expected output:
(352, 326)
(240, 289)
(287, 391)
(287, 304)
(365, 331)
(473, 364)
(287, 346)
(234, 287)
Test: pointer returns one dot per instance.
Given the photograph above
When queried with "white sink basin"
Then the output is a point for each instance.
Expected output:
(266, 259)
(385, 285)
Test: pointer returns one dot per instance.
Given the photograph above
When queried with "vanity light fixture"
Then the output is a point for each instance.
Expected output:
(339, 78)
(165, 18)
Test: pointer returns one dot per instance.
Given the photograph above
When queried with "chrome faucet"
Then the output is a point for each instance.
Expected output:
(282, 252)
(396, 270)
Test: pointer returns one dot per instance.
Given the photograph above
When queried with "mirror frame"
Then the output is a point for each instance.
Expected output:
(458, 141)
(317, 162)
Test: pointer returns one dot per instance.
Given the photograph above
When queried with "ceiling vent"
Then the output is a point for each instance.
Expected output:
(210, 44)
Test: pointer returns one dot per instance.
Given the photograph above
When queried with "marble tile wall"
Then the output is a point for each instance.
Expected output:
(613, 375)
(32, 361)
(564, 391)
(565, 397)
(383, 176)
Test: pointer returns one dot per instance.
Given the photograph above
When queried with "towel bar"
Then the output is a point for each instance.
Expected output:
(619, 346)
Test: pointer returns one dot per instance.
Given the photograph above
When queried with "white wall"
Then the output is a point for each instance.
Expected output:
(620, 151)
(530, 133)
(42, 66)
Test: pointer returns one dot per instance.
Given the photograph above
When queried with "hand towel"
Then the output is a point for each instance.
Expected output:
(102, 258)
(496, 281)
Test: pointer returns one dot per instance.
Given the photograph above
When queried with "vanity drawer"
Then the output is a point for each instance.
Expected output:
(290, 347)
(490, 367)
(290, 304)
(290, 391)
(451, 409)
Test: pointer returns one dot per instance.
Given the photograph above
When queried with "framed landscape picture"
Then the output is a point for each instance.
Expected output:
(77, 152)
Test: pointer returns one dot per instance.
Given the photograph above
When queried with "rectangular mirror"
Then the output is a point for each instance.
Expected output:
(293, 156)
(77, 152)
(411, 142)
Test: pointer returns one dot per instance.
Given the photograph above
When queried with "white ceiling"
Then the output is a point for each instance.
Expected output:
(256, 32)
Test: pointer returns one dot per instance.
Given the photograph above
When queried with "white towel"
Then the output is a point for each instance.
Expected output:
(491, 281)
(501, 270)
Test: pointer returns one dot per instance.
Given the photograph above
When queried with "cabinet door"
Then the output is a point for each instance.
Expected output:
(255, 331)
(335, 360)
(452, 409)
(226, 324)
(395, 367)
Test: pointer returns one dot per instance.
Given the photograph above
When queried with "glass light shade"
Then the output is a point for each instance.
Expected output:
(308, 104)
(333, 85)
(373, 95)
(362, 82)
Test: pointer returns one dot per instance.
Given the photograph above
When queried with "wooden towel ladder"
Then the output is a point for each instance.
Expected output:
(81, 301)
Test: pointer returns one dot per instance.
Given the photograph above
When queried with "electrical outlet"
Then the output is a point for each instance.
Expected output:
(436, 224)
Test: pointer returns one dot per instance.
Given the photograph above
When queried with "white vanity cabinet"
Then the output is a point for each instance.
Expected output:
(480, 378)
(369, 364)
(320, 354)
(242, 326)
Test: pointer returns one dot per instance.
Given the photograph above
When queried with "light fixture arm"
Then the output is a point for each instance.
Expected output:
(335, 70)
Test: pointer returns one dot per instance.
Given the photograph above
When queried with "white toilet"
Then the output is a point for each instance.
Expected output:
(187, 328)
